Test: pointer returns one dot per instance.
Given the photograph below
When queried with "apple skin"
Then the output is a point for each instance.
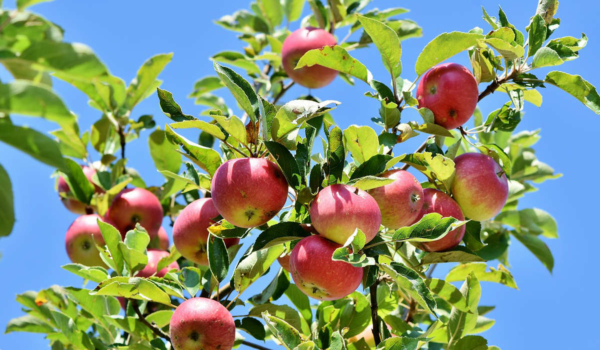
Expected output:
(338, 210)
(201, 323)
(248, 192)
(190, 232)
(284, 261)
(154, 257)
(477, 187)
(435, 201)
(401, 201)
(296, 45)
(136, 205)
(450, 91)
(317, 275)
(161, 242)
(72, 204)
(81, 239)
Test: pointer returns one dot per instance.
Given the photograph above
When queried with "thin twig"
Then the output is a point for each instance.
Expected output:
(430, 272)
(374, 317)
(224, 290)
(152, 326)
(418, 150)
(252, 345)
(284, 89)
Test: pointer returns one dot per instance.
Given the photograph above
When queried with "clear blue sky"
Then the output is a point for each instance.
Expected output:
(125, 33)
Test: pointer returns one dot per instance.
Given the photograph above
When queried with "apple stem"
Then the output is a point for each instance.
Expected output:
(152, 326)
(374, 317)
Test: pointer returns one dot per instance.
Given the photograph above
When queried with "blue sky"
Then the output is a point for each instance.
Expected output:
(125, 33)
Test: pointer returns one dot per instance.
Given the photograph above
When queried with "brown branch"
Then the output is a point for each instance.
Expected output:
(152, 326)
(123, 143)
(418, 150)
(412, 307)
(284, 89)
(224, 290)
(252, 345)
(374, 317)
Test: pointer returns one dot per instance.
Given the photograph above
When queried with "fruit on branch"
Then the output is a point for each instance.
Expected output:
(435, 201)
(133, 206)
(338, 210)
(401, 201)
(160, 242)
(201, 323)
(296, 45)
(81, 239)
(450, 91)
(72, 204)
(317, 275)
(284, 261)
(480, 186)
(248, 192)
(190, 232)
(154, 257)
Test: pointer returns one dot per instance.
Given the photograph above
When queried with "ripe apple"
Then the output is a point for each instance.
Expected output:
(338, 210)
(154, 257)
(190, 232)
(317, 275)
(435, 201)
(160, 242)
(72, 204)
(136, 205)
(401, 201)
(81, 239)
(480, 186)
(296, 45)
(248, 192)
(284, 261)
(450, 91)
(201, 323)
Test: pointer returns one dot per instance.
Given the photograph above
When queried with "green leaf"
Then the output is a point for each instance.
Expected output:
(233, 126)
(546, 57)
(28, 324)
(577, 87)
(278, 234)
(293, 9)
(206, 84)
(362, 142)
(530, 221)
(336, 58)
(112, 238)
(206, 158)
(509, 51)
(95, 273)
(433, 166)
(190, 279)
(547, 9)
(145, 82)
(572, 43)
(26, 98)
(79, 184)
(461, 323)
(23, 4)
(7, 211)
(161, 318)
(286, 162)
(300, 301)
(254, 265)
(273, 11)
(500, 275)
(274, 290)
(387, 42)
(457, 254)
(251, 326)
(472, 342)
(134, 249)
(531, 96)
(168, 260)
(443, 47)
(241, 90)
(430, 228)
(133, 288)
(70, 144)
(164, 152)
(218, 260)
(372, 167)
(244, 22)
(170, 108)
(237, 59)
(399, 343)
(537, 247)
(284, 312)
(283, 331)
(293, 115)
(366, 183)
(448, 292)
(209, 128)
(412, 283)
(34, 143)
(537, 34)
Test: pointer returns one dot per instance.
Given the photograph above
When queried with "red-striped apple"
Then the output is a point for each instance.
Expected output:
(154, 257)
(401, 201)
(81, 239)
(133, 206)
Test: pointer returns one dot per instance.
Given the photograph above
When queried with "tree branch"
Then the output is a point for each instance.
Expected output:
(224, 290)
(284, 89)
(123, 142)
(152, 326)
(252, 345)
(418, 150)
(374, 317)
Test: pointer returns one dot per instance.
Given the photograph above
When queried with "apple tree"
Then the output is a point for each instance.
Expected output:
(355, 234)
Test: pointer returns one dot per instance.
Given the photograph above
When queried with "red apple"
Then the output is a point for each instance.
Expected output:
(123, 303)
(81, 239)
(338, 210)
(201, 323)
(317, 275)
(248, 192)
(450, 91)
(296, 45)
(154, 257)
(284, 261)
(136, 205)
(190, 232)
(435, 201)
(401, 201)
(160, 242)
(72, 204)
(480, 186)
